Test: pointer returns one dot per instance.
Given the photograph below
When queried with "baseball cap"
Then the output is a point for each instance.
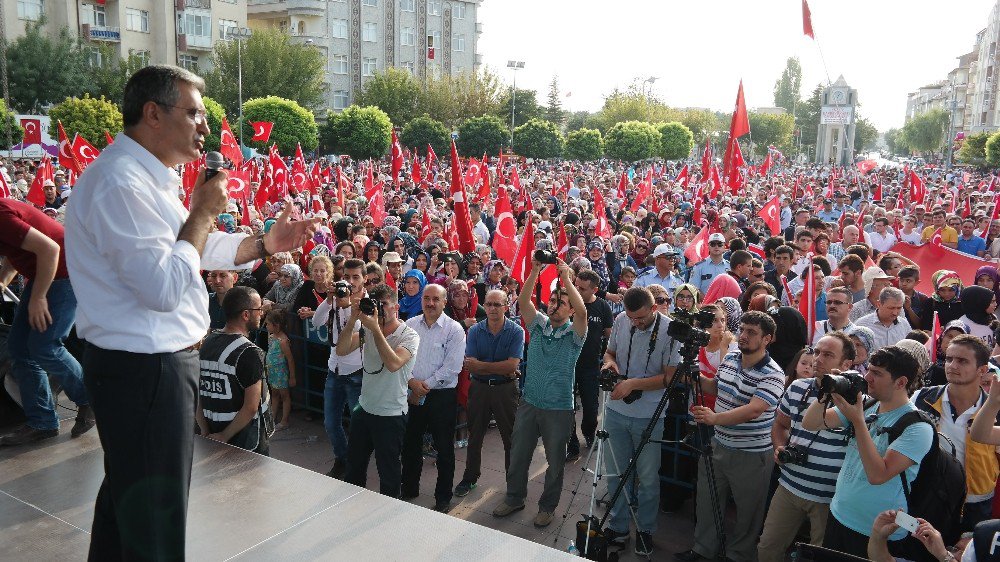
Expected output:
(717, 237)
(49, 183)
(664, 250)
(391, 257)
(232, 208)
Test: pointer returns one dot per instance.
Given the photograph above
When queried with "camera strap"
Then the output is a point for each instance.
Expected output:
(361, 345)
(652, 344)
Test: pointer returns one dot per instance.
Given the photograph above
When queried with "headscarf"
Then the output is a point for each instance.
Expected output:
(640, 257)
(993, 274)
(943, 278)
(320, 250)
(762, 302)
(694, 292)
(464, 265)
(724, 285)
(457, 286)
(919, 353)
(599, 266)
(283, 295)
(410, 244)
(733, 313)
(486, 275)
(372, 244)
(616, 245)
(227, 223)
(975, 300)
(411, 306)
(790, 335)
(866, 336)
(268, 224)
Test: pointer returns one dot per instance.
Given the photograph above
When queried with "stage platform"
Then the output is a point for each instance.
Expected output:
(243, 507)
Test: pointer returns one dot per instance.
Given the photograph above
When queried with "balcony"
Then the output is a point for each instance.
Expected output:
(306, 7)
(206, 4)
(199, 42)
(101, 33)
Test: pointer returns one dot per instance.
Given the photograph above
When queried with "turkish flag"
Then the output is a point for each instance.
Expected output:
(342, 184)
(36, 193)
(697, 250)
(32, 131)
(771, 213)
(473, 173)
(515, 180)
(263, 190)
(683, 176)
(931, 344)
(967, 211)
(716, 184)
(431, 157)
(521, 265)
(699, 200)
(622, 185)
(83, 152)
(936, 237)
(645, 191)
(416, 175)
(228, 145)
(877, 195)
(562, 243)
(917, 190)
(504, 238)
(484, 188)
(300, 177)
(189, 176)
(261, 130)
(238, 184)
(376, 205)
(467, 242)
(66, 158)
(807, 23)
(4, 187)
(738, 126)
(279, 175)
(425, 226)
(396, 155)
(765, 166)
(600, 213)
(807, 301)
(109, 138)
(706, 158)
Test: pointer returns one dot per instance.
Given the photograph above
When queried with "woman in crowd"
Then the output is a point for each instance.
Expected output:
(471, 268)
(313, 291)
(410, 304)
(345, 248)
(979, 305)
(790, 335)
(595, 254)
(864, 346)
(756, 288)
(493, 276)
(945, 300)
(724, 285)
(618, 259)
(283, 292)
(450, 270)
(372, 252)
(661, 301)
(687, 297)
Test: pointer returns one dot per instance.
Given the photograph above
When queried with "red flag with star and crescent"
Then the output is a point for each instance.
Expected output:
(300, 176)
(32, 131)
(807, 23)
(706, 159)
(738, 126)
(279, 175)
(622, 185)
(504, 238)
(771, 213)
(83, 152)
(522, 258)
(466, 240)
(261, 130)
(228, 145)
(36, 192)
(397, 158)
(807, 300)
(601, 214)
(683, 176)
(238, 184)
(66, 158)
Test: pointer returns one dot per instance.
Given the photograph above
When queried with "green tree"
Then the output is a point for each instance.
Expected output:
(631, 105)
(361, 132)
(526, 107)
(992, 150)
(788, 88)
(897, 146)
(576, 120)
(925, 132)
(108, 78)
(8, 122)
(215, 113)
(43, 70)
(538, 139)
(485, 134)
(453, 99)
(676, 140)
(807, 116)
(585, 145)
(553, 111)
(770, 129)
(423, 130)
(88, 117)
(700, 122)
(293, 124)
(865, 135)
(272, 66)
(973, 149)
(631, 141)
(395, 91)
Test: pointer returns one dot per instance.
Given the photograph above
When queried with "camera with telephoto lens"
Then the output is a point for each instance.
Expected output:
(607, 379)
(689, 327)
(341, 289)
(546, 257)
(369, 306)
(792, 455)
(847, 384)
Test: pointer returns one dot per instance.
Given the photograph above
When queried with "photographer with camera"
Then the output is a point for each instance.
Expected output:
(546, 409)
(748, 386)
(869, 483)
(640, 357)
(808, 460)
(388, 352)
(343, 381)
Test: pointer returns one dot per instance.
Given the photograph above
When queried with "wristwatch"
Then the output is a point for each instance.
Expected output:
(262, 252)
(948, 557)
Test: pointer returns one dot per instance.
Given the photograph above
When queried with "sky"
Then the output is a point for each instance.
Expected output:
(700, 49)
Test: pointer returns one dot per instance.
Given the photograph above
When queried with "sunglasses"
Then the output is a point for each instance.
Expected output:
(716, 244)
(661, 300)
(836, 303)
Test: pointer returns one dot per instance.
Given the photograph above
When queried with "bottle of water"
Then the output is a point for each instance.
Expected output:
(572, 549)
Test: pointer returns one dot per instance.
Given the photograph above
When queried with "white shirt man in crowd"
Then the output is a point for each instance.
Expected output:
(705, 271)
(838, 310)
(888, 322)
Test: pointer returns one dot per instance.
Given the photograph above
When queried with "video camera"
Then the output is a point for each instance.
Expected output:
(607, 379)
(847, 384)
(689, 327)
(546, 257)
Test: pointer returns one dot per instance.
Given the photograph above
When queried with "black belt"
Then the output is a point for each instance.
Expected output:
(492, 382)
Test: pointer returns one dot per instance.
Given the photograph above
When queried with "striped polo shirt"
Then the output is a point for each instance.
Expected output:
(816, 479)
(737, 386)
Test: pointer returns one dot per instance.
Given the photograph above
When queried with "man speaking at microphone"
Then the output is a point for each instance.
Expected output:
(135, 253)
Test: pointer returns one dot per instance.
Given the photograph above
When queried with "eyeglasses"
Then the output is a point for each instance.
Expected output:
(494, 305)
(715, 244)
(199, 116)
(685, 297)
(661, 300)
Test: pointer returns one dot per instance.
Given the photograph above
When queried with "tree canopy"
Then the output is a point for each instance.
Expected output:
(631, 141)
(925, 132)
(44, 70)
(788, 88)
(423, 130)
(538, 139)
(676, 141)
(361, 132)
(526, 107)
(973, 149)
(584, 144)
(88, 117)
(771, 129)
(479, 135)
(293, 124)
(394, 91)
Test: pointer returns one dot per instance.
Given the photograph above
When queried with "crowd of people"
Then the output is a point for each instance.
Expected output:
(426, 348)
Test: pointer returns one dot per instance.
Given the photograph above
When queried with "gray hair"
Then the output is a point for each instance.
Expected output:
(891, 293)
(158, 84)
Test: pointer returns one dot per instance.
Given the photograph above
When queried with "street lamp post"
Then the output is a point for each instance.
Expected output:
(239, 34)
(514, 65)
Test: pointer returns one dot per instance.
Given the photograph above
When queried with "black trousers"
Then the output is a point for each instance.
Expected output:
(382, 435)
(587, 388)
(436, 416)
(144, 405)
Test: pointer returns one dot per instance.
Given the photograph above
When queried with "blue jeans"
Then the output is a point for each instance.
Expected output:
(33, 354)
(338, 390)
(624, 436)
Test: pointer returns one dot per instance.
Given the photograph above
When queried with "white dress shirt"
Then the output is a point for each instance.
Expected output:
(350, 362)
(885, 335)
(442, 351)
(138, 287)
(882, 242)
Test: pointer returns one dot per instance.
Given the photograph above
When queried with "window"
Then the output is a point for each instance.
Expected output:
(369, 3)
(197, 24)
(458, 10)
(189, 62)
(29, 9)
(96, 58)
(137, 20)
(368, 66)
(339, 64)
(458, 42)
(224, 26)
(369, 32)
(434, 7)
(338, 29)
(341, 99)
(407, 6)
(407, 66)
(93, 14)
(141, 56)
(283, 26)
(435, 40)
(407, 37)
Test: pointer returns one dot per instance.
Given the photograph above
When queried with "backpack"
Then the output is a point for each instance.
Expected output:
(938, 492)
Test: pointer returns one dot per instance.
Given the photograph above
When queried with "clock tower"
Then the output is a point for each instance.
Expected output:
(835, 134)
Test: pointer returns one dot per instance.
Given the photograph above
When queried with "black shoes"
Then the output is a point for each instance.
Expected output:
(407, 495)
(84, 421)
(643, 543)
(464, 487)
(616, 538)
(338, 470)
(27, 434)
(686, 556)
(443, 506)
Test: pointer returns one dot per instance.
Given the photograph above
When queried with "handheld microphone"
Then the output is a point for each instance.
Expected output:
(213, 163)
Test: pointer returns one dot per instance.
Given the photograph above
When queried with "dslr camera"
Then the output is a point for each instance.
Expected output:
(546, 257)
(689, 327)
(341, 289)
(847, 384)
(793, 455)
(369, 306)
(607, 379)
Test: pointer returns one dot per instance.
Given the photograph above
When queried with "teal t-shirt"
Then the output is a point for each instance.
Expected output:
(552, 355)
(856, 502)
